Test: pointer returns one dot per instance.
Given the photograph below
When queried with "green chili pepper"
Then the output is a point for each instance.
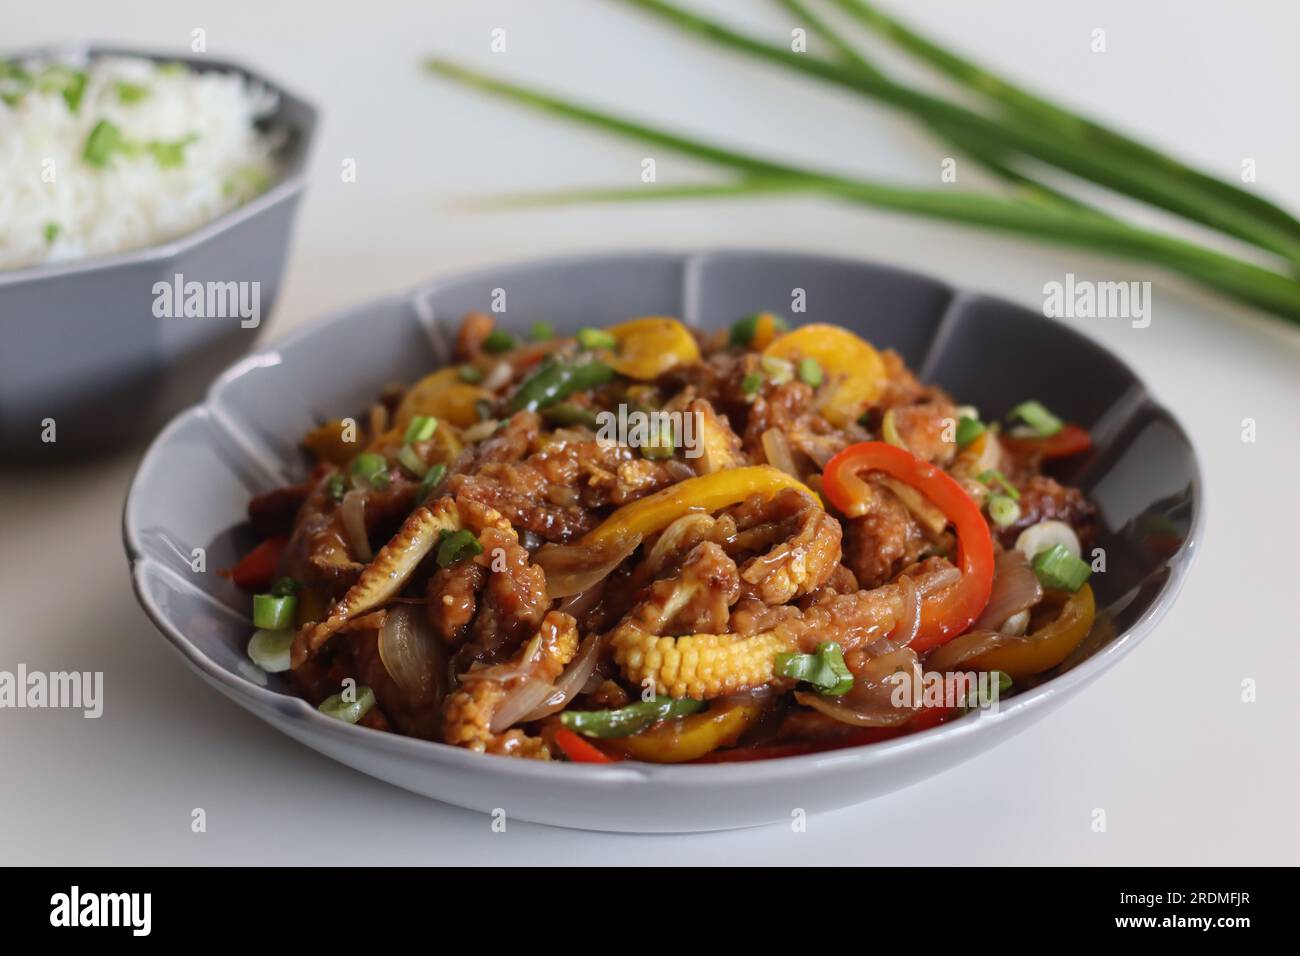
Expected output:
(572, 415)
(825, 670)
(630, 719)
(557, 381)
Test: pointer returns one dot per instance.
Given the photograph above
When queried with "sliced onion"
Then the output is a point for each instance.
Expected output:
(678, 470)
(1016, 624)
(871, 701)
(577, 605)
(951, 656)
(412, 654)
(353, 514)
(479, 431)
(776, 447)
(572, 681)
(930, 517)
(520, 700)
(909, 624)
(670, 542)
(1046, 535)
(1015, 588)
(573, 568)
(499, 377)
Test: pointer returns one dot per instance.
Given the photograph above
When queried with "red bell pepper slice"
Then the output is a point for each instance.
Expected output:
(945, 616)
(256, 570)
(578, 749)
(1070, 440)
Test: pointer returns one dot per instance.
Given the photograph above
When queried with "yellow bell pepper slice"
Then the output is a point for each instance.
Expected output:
(327, 443)
(648, 347)
(854, 370)
(765, 331)
(707, 493)
(444, 396)
(1047, 646)
(688, 738)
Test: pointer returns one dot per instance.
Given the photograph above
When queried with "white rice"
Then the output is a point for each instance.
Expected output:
(55, 206)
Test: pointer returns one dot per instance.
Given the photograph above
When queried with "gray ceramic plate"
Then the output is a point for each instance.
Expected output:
(81, 343)
(194, 484)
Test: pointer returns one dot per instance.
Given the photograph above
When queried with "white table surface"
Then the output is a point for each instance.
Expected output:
(1185, 770)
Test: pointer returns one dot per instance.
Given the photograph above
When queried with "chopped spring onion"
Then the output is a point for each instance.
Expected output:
(631, 719)
(104, 140)
(470, 373)
(1041, 537)
(825, 670)
(596, 339)
(498, 340)
(810, 372)
(1040, 422)
(273, 613)
(370, 468)
(743, 331)
(130, 92)
(993, 475)
(541, 331)
(968, 429)
(269, 650)
(348, 711)
(751, 383)
(70, 83)
(432, 478)
(889, 430)
(1004, 511)
(411, 461)
(456, 546)
(421, 428)
(777, 370)
(51, 231)
(335, 485)
(659, 445)
(1059, 569)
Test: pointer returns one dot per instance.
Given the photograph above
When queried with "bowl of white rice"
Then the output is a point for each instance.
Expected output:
(145, 212)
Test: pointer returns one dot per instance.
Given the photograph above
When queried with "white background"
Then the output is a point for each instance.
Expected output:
(1185, 771)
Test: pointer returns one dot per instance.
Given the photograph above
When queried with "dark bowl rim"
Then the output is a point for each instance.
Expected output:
(291, 182)
(1014, 712)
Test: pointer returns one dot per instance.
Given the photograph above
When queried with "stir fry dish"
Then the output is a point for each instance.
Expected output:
(654, 543)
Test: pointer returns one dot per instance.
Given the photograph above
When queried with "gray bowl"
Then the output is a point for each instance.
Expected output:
(81, 343)
(193, 487)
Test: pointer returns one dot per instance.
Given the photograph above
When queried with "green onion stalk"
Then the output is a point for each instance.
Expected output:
(756, 175)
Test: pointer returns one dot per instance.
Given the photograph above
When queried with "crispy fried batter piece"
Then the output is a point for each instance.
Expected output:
(705, 666)
(803, 542)
(468, 713)
(384, 577)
